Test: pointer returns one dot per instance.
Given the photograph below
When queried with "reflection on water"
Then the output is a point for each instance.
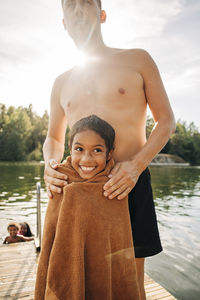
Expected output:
(177, 199)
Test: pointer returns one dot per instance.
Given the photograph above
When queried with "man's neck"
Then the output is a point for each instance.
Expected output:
(95, 47)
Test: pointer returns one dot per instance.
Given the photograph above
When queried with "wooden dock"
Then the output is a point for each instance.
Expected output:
(18, 263)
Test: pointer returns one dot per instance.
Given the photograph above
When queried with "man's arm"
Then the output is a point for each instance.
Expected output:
(159, 105)
(125, 174)
(53, 148)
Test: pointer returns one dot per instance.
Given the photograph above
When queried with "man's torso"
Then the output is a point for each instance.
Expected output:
(113, 89)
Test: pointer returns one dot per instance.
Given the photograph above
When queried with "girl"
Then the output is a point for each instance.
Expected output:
(87, 249)
(25, 229)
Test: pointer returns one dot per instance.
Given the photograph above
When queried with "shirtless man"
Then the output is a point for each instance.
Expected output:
(116, 85)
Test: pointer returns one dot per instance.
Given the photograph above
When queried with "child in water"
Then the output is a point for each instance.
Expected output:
(87, 249)
(14, 237)
(25, 229)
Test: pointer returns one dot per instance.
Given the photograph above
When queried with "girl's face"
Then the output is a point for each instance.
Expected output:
(23, 229)
(88, 154)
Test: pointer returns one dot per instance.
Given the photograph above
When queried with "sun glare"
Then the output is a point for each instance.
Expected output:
(79, 58)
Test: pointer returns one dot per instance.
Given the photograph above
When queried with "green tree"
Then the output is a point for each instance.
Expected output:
(38, 135)
(22, 133)
(67, 150)
(186, 142)
(14, 135)
(149, 126)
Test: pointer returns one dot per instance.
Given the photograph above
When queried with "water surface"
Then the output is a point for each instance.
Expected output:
(177, 199)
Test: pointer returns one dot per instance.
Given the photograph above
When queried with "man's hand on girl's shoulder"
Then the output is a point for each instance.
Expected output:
(54, 180)
(123, 178)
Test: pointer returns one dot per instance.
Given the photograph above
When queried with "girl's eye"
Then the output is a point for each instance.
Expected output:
(78, 149)
(97, 150)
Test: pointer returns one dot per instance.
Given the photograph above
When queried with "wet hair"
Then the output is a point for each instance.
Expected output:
(13, 224)
(96, 124)
(28, 233)
(97, 1)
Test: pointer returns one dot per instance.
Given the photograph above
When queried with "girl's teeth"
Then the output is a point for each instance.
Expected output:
(87, 168)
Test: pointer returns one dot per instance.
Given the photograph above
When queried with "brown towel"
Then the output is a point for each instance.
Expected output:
(87, 249)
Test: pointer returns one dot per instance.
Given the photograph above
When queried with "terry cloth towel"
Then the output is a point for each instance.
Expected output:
(87, 249)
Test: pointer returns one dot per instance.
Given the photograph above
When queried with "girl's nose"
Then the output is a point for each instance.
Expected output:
(86, 157)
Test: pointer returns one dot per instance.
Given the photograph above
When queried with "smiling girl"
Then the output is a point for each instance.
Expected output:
(87, 249)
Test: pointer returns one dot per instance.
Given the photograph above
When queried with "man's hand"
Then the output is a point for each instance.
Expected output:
(53, 179)
(123, 178)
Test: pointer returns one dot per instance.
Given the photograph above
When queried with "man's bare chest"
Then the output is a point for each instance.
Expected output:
(101, 86)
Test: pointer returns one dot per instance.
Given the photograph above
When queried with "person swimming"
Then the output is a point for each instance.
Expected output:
(25, 229)
(14, 237)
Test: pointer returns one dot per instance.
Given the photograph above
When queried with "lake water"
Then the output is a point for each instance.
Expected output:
(177, 200)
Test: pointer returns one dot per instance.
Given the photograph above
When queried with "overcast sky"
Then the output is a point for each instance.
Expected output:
(35, 49)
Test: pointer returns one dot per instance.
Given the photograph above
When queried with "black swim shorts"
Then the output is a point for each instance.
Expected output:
(146, 237)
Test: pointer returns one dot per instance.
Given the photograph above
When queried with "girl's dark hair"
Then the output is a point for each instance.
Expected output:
(94, 123)
(98, 2)
(28, 233)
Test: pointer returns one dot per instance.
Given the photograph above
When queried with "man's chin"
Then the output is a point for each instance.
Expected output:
(81, 44)
(81, 41)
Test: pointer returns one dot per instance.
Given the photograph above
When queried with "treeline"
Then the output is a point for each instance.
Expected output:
(22, 134)
(184, 143)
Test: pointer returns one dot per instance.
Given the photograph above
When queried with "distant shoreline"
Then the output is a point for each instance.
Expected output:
(177, 165)
(17, 163)
(161, 159)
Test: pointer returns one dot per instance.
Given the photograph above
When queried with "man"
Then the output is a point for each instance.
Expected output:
(116, 85)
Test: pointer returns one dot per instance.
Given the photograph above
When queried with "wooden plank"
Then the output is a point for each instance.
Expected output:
(24, 245)
(18, 264)
(156, 288)
(12, 277)
(17, 269)
(15, 272)
(154, 291)
(18, 286)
